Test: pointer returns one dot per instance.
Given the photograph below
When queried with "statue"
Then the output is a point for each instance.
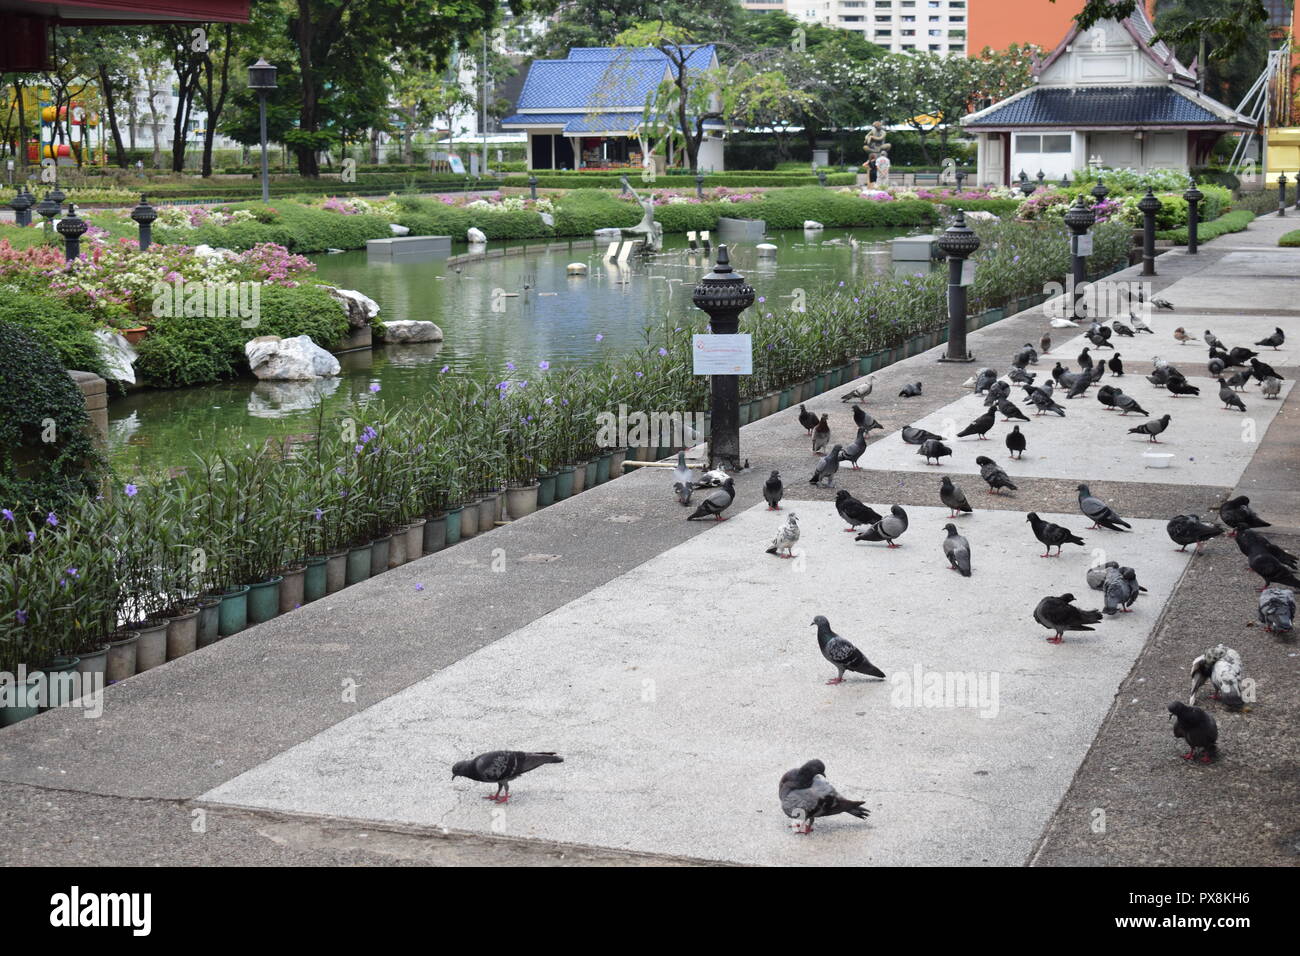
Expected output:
(650, 232)
(875, 140)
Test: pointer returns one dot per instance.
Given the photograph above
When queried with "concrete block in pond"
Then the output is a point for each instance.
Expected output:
(914, 248)
(403, 246)
(411, 330)
(743, 230)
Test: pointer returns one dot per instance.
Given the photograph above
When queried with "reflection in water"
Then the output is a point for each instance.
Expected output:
(519, 308)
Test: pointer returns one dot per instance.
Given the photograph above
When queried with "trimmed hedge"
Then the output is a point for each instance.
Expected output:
(298, 228)
(1291, 238)
(1235, 221)
(65, 331)
(731, 180)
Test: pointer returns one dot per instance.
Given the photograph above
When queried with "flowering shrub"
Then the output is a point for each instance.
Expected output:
(268, 262)
(512, 204)
(192, 217)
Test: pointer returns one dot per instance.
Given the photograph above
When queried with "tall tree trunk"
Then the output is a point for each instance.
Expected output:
(110, 110)
(21, 158)
(307, 112)
(374, 147)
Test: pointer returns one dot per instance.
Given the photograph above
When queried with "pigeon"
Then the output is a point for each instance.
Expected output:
(1248, 540)
(1239, 380)
(1139, 325)
(984, 379)
(1009, 411)
(1115, 365)
(1240, 356)
(1116, 592)
(1052, 535)
(773, 491)
(1045, 343)
(1085, 360)
(1101, 514)
(859, 393)
(1223, 356)
(998, 392)
(1272, 570)
(853, 511)
(1212, 340)
(1222, 667)
(932, 448)
(1098, 370)
(1229, 397)
(1122, 329)
(888, 528)
(842, 654)
(1127, 403)
(979, 426)
(1238, 514)
(786, 537)
(1098, 338)
(821, 436)
(1097, 574)
(1151, 428)
(1183, 338)
(957, 550)
(807, 419)
(1277, 609)
(854, 449)
(1216, 366)
(862, 420)
(683, 480)
(1063, 324)
(1271, 386)
(1177, 385)
(715, 478)
(1041, 398)
(500, 767)
(1190, 529)
(1106, 395)
(806, 794)
(1274, 340)
(1059, 614)
(910, 391)
(1082, 382)
(1160, 375)
(1262, 370)
(918, 436)
(1020, 376)
(1026, 356)
(1063, 376)
(1197, 728)
(1163, 304)
(716, 503)
(827, 467)
(1016, 441)
(952, 496)
(994, 476)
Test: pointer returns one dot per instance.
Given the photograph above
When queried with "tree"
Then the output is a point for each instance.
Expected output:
(1228, 77)
(111, 51)
(1235, 22)
(599, 22)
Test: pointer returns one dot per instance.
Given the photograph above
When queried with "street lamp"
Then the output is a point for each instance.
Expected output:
(1041, 177)
(1100, 191)
(821, 176)
(261, 77)
(957, 242)
(1026, 186)
(71, 227)
(960, 176)
(1065, 180)
(144, 215)
(1149, 205)
(48, 208)
(699, 184)
(532, 185)
(1079, 218)
(1281, 192)
(723, 295)
(21, 204)
(1193, 197)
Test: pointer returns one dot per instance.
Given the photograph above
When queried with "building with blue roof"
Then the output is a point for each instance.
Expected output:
(1105, 97)
(587, 111)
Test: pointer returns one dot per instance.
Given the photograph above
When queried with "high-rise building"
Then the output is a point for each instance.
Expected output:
(1000, 23)
(936, 26)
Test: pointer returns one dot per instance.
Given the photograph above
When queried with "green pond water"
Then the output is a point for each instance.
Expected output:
(553, 318)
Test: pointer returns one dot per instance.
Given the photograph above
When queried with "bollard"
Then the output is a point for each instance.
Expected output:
(958, 242)
(1079, 218)
(1149, 205)
(723, 294)
(1193, 197)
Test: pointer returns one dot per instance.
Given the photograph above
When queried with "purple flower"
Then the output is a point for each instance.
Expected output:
(71, 572)
(524, 383)
(6, 513)
(599, 336)
(359, 449)
(419, 587)
(374, 387)
(52, 520)
(639, 375)
(543, 365)
(131, 490)
(510, 366)
(762, 298)
(663, 352)
(318, 514)
(503, 386)
(20, 616)
(445, 368)
(31, 537)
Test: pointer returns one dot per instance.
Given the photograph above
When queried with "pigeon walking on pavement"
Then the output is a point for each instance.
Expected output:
(918, 436)
(1197, 728)
(1190, 529)
(1045, 343)
(717, 502)
(1277, 610)
(998, 392)
(932, 448)
(1262, 370)
(1273, 341)
(1101, 514)
(1010, 412)
(888, 528)
(1248, 539)
(1272, 570)
(807, 419)
(806, 794)
(957, 550)
(773, 491)
(827, 467)
(500, 767)
(1058, 613)
(1152, 428)
(859, 393)
(821, 435)
(1271, 387)
(1051, 535)
(910, 391)
(953, 497)
(1222, 667)
(979, 426)
(1115, 365)
(854, 449)
(683, 480)
(853, 511)
(786, 537)
(1229, 397)
(1238, 514)
(1127, 403)
(1016, 442)
(993, 475)
(841, 653)
(1183, 338)
(864, 421)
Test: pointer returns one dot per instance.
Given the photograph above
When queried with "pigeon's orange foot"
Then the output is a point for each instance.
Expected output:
(892, 545)
(1187, 756)
(1205, 758)
(1056, 640)
(835, 680)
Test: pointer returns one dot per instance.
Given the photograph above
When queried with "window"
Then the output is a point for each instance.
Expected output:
(884, 3)
(933, 4)
(908, 46)
(909, 33)
(935, 19)
(850, 19)
(909, 19)
(853, 3)
(1057, 144)
(908, 3)
(936, 46)
(1048, 143)
(935, 33)
(884, 19)
(957, 4)
(884, 33)
(956, 19)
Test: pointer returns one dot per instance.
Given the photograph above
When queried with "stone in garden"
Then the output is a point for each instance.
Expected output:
(475, 234)
(411, 330)
(576, 268)
(359, 308)
(292, 359)
(204, 251)
(118, 356)
(609, 234)
(981, 215)
(399, 230)
(766, 249)
(812, 224)
(547, 219)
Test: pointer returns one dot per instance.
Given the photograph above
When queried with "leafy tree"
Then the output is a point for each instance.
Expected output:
(599, 22)
(1235, 22)
(1228, 77)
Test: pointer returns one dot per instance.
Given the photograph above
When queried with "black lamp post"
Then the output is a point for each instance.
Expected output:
(1026, 186)
(723, 295)
(532, 186)
(958, 242)
(1065, 180)
(699, 187)
(1281, 193)
(261, 77)
(1193, 197)
(144, 215)
(57, 195)
(48, 208)
(71, 227)
(1040, 177)
(1100, 191)
(960, 176)
(821, 176)
(1149, 205)
(21, 204)
(1079, 218)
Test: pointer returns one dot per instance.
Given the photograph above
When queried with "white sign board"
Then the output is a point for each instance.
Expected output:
(968, 272)
(723, 354)
(1083, 246)
(457, 164)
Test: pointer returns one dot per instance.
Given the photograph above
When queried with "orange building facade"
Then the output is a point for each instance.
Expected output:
(1000, 23)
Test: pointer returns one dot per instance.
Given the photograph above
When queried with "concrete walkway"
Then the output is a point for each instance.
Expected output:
(672, 663)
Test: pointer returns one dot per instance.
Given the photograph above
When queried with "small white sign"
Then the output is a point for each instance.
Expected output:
(968, 272)
(457, 164)
(723, 354)
(1083, 246)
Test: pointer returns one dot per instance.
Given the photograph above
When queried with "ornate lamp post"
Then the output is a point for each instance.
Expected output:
(1065, 180)
(1026, 187)
(821, 176)
(1149, 205)
(699, 184)
(1079, 218)
(1100, 191)
(1193, 197)
(532, 185)
(57, 195)
(1040, 177)
(48, 208)
(960, 174)
(144, 215)
(1281, 193)
(261, 77)
(22, 204)
(723, 295)
(958, 242)
(72, 227)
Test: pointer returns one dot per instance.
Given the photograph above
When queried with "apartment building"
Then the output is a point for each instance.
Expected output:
(936, 26)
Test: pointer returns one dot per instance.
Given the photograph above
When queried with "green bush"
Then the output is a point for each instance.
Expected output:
(37, 476)
(1235, 221)
(611, 180)
(789, 208)
(1291, 238)
(60, 328)
(301, 229)
(999, 207)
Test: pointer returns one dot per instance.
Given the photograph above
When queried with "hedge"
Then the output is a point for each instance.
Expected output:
(1291, 238)
(299, 228)
(1235, 221)
(65, 331)
(611, 180)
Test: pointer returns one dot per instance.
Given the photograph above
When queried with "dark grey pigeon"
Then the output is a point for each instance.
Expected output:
(985, 378)
(979, 426)
(1239, 380)
(1040, 396)
(1237, 514)
(500, 767)
(1116, 592)
(1190, 529)
(998, 392)
(1249, 539)
(1016, 442)
(862, 420)
(1020, 376)
(1099, 370)
(853, 511)
(1059, 614)
(716, 503)
(1229, 397)
(1271, 569)
(1085, 360)
(827, 467)
(1101, 514)
(1151, 428)
(1216, 366)
(932, 448)
(1096, 575)
(1197, 728)
(1052, 535)
(957, 550)
(1026, 355)
(953, 497)
(1262, 370)
(854, 449)
(1121, 328)
(1009, 412)
(887, 528)
(842, 654)
(994, 476)
(806, 794)
(773, 491)
(1277, 609)
(1240, 356)
(1274, 340)
(1127, 403)
(1106, 395)
(807, 419)
(918, 436)
(910, 391)
(1080, 385)
(821, 435)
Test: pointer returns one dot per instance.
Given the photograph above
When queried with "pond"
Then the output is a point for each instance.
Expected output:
(541, 314)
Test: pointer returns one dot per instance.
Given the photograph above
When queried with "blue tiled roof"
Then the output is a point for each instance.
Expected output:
(544, 119)
(574, 123)
(700, 57)
(600, 78)
(1098, 106)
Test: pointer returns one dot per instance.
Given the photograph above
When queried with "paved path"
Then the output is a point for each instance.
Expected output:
(673, 664)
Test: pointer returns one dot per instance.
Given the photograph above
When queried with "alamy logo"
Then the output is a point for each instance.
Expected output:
(648, 430)
(103, 909)
(209, 300)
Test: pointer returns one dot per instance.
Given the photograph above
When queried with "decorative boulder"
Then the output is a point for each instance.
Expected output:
(411, 330)
(766, 249)
(204, 251)
(981, 215)
(118, 355)
(359, 308)
(576, 268)
(475, 234)
(609, 235)
(399, 230)
(295, 359)
(812, 224)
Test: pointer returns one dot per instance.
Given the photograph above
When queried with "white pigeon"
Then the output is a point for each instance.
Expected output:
(1222, 666)
(712, 479)
(1063, 324)
(786, 536)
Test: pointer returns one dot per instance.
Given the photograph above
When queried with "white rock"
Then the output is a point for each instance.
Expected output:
(411, 330)
(475, 234)
(981, 215)
(359, 308)
(576, 268)
(118, 356)
(766, 249)
(812, 224)
(399, 230)
(204, 251)
(548, 219)
(293, 359)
